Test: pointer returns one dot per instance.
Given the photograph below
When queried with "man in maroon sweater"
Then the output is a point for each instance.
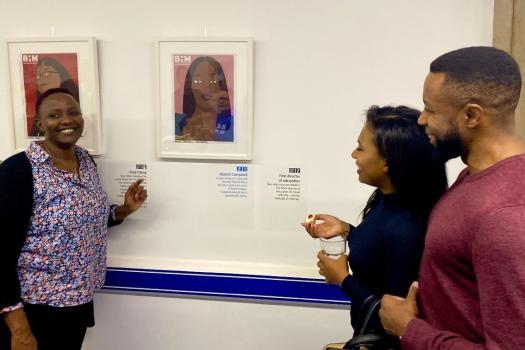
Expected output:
(471, 292)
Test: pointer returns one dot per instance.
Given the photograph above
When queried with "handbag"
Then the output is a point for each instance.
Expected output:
(369, 335)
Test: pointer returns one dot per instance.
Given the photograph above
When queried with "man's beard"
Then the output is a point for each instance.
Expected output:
(450, 147)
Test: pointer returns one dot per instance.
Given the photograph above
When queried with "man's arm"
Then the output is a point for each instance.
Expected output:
(499, 265)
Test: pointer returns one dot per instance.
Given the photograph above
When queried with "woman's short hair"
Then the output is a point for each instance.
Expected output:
(48, 93)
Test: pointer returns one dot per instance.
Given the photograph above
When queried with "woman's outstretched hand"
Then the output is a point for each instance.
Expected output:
(134, 198)
(330, 226)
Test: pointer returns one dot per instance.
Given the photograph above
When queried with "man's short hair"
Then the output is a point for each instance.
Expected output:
(484, 75)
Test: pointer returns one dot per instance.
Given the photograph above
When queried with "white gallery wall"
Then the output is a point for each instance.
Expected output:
(317, 66)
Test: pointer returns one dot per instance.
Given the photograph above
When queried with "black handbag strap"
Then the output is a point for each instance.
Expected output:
(371, 341)
(367, 310)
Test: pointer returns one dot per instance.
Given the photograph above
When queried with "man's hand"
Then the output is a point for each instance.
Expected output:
(397, 312)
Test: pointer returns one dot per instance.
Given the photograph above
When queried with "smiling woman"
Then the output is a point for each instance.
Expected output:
(60, 120)
(56, 215)
(394, 156)
(51, 74)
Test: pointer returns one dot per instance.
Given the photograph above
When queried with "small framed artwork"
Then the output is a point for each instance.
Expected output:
(37, 65)
(205, 98)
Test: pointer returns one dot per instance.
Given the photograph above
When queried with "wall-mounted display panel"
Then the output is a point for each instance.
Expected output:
(205, 98)
(37, 65)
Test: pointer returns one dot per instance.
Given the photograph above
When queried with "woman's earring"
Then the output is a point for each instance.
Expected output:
(40, 130)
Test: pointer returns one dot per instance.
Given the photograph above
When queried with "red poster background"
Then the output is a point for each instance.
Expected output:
(29, 62)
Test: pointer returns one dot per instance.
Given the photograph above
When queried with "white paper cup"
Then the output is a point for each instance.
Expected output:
(333, 247)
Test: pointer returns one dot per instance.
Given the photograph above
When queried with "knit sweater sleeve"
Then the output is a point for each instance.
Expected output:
(403, 243)
(16, 201)
(405, 236)
(355, 289)
(499, 265)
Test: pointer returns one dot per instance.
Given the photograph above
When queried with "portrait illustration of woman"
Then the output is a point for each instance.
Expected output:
(50, 73)
(206, 107)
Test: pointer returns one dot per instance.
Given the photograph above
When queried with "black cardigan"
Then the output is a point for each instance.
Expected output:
(16, 205)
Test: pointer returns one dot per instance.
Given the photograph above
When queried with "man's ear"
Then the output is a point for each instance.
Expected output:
(473, 114)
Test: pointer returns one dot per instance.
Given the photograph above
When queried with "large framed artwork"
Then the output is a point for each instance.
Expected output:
(205, 98)
(37, 65)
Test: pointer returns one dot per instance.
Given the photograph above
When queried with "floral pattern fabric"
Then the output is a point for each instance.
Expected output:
(63, 259)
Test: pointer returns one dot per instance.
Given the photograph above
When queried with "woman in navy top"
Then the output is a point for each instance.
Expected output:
(395, 156)
(55, 216)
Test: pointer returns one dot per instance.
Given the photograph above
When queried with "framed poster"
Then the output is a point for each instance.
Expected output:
(37, 65)
(205, 98)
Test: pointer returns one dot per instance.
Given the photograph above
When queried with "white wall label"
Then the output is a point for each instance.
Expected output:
(116, 177)
(283, 202)
(129, 175)
(233, 183)
(287, 185)
(231, 202)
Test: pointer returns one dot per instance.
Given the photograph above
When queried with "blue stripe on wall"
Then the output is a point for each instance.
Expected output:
(275, 288)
